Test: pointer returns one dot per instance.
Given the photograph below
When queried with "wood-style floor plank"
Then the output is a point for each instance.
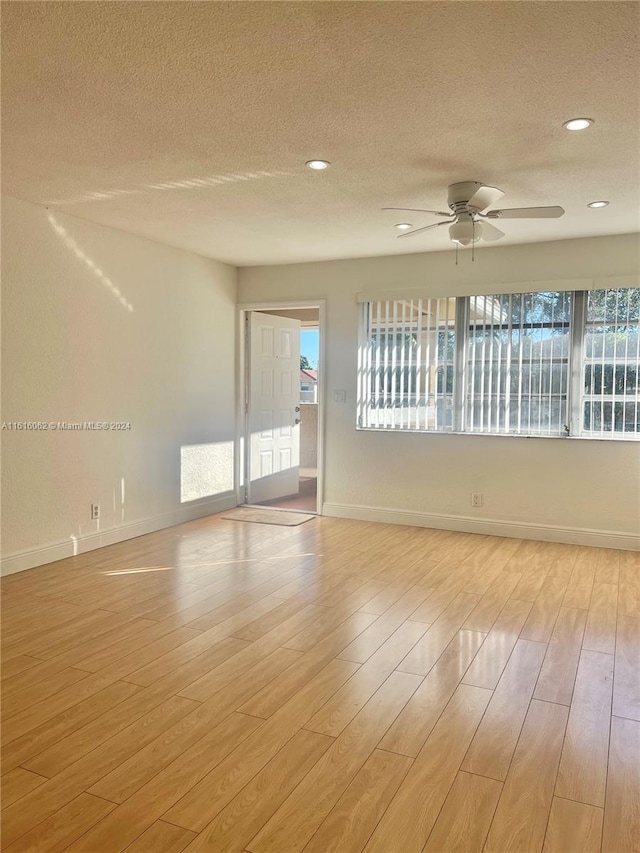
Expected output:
(275, 695)
(408, 821)
(215, 791)
(59, 790)
(15, 665)
(545, 609)
(533, 571)
(245, 815)
(16, 783)
(561, 661)
(600, 631)
(30, 679)
(51, 733)
(629, 584)
(622, 806)
(626, 682)
(40, 692)
(415, 722)
(161, 665)
(338, 712)
(495, 741)
(351, 821)
(69, 652)
(582, 775)
(520, 821)
(490, 606)
(582, 578)
(426, 651)
(466, 815)
(488, 665)
(608, 566)
(132, 774)
(142, 809)
(561, 560)
(337, 687)
(162, 837)
(33, 716)
(433, 607)
(372, 638)
(55, 833)
(291, 827)
(64, 751)
(573, 828)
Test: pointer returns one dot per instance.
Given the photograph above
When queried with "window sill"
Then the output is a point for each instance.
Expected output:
(632, 439)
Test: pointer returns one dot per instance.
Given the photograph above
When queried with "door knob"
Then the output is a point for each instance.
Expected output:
(297, 421)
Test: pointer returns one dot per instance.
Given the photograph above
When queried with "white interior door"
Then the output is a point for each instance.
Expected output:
(273, 411)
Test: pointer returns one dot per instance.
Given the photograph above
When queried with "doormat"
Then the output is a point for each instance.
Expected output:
(268, 516)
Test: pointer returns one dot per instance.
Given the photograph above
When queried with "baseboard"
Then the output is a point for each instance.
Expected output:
(487, 526)
(28, 559)
(21, 560)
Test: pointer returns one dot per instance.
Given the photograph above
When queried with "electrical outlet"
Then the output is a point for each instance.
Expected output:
(95, 512)
(476, 498)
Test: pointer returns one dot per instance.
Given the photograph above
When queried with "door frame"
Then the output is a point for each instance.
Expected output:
(242, 388)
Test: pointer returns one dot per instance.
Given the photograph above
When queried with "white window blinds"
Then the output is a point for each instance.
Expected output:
(611, 363)
(517, 363)
(540, 363)
(407, 364)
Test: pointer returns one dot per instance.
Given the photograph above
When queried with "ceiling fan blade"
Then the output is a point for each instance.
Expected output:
(490, 232)
(527, 213)
(419, 230)
(418, 210)
(484, 197)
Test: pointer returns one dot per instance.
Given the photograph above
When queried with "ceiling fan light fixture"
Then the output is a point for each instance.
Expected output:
(465, 232)
(403, 226)
(598, 204)
(318, 165)
(578, 124)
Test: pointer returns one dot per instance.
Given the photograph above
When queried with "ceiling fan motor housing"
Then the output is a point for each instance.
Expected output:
(459, 194)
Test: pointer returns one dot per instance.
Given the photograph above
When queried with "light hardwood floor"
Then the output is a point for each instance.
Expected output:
(339, 686)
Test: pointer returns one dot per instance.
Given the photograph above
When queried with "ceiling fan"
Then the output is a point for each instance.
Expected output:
(468, 222)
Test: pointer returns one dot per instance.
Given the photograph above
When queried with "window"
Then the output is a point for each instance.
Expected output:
(554, 363)
(611, 363)
(517, 363)
(408, 364)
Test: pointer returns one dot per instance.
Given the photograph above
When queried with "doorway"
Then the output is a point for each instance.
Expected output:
(282, 393)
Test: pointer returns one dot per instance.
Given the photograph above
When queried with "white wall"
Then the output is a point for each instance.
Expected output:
(100, 325)
(558, 489)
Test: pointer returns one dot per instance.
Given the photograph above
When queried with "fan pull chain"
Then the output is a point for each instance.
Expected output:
(473, 240)
(456, 254)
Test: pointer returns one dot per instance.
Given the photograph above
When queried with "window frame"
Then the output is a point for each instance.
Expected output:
(577, 329)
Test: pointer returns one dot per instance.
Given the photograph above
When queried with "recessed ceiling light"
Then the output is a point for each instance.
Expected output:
(578, 123)
(598, 204)
(317, 164)
(404, 226)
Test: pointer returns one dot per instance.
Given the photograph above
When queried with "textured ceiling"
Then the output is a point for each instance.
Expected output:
(190, 123)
